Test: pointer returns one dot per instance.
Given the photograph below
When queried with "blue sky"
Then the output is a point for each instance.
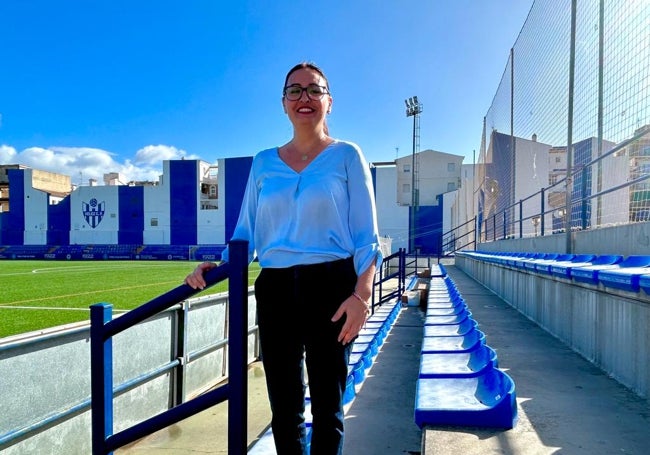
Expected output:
(88, 87)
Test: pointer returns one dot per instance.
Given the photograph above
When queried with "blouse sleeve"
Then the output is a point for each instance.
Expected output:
(363, 214)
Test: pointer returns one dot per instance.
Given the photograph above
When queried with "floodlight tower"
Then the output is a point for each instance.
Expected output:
(414, 109)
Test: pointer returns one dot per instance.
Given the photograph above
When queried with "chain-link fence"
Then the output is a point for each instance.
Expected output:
(579, 74)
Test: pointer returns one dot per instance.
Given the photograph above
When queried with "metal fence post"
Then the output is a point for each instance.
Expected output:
(101, 377)
(237, 346)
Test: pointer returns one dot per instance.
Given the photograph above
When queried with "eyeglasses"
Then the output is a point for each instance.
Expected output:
(314, 92)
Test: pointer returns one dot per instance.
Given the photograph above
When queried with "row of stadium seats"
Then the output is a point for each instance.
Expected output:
(459, 382)
(631, 273)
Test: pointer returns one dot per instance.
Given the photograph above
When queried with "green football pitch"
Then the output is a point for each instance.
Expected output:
(36, 295)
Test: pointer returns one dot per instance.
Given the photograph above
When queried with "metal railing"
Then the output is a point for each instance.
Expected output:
(459, 238)
(586, 209)
(104, 328)
(386, 272)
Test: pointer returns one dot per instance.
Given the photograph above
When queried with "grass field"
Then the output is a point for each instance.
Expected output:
(36, 295)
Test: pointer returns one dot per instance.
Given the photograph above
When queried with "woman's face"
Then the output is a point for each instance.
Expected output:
(309, 108)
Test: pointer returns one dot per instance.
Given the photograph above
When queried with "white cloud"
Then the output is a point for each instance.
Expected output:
(84, 163)
(155, 154)
(7, 154)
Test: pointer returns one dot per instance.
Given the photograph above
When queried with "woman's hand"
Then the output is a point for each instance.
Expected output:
(356, 311)
(195, 279)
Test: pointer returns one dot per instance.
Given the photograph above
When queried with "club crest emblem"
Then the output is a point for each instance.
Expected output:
(93, 212)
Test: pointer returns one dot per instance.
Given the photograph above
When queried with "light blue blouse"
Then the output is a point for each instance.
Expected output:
(323, 213)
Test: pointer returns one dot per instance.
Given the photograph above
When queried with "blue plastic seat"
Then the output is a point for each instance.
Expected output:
(358, 371)
(449, 319)
(450, 329)
(366, 338)
(503, 258)
(439, 302)
(511, 258)
(562, 269)
(520, 262)
(488, 400)
(531, 265)
(350, 390)
(445, 311)
(438, 270)
(589, 273)
(470, 341)
(544, 265)
(463, 364)
(627, 276)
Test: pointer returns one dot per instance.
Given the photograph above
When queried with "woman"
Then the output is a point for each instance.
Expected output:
(309, 215)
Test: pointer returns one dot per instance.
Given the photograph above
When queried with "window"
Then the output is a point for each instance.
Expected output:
(451, 167)
(451, 186)
(407, 168)
(154, 222)
(406, 188)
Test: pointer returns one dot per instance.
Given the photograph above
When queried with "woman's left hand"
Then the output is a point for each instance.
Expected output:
(356, 313)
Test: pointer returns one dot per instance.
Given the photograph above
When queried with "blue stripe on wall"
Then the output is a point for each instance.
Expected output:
(131, 215)
(237, 170)
(14, 225)
(58, 219)
(183, 207)
(428, 233)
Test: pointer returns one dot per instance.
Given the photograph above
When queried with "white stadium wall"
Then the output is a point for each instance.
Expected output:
(36, 203)
(392, 218)
(156, 209)
(94, 215)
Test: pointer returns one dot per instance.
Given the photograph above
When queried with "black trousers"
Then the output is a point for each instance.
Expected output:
(295, 306)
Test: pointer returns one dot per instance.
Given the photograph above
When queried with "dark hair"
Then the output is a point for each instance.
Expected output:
(308, 65)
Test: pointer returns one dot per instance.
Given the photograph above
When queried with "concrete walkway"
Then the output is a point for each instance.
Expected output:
(207, 432)
(565, 404)
(380, 419)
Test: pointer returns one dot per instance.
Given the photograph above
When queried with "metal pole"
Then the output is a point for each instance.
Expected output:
(101, 378)
(569, 152)
(412, 243)
(413, 108)
(601, 59)
(238, 348)
(513, 141)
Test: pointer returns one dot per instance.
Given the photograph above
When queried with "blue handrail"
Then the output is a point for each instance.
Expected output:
(384, 277)
(103, 328)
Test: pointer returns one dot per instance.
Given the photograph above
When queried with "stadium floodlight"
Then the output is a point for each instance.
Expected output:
(413, 109)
